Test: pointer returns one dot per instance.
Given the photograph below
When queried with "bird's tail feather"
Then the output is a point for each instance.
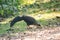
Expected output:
(16, 19)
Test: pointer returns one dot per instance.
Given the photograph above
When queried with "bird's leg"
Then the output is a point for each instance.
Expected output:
(32, 27)
(39, 27)
(29, 27)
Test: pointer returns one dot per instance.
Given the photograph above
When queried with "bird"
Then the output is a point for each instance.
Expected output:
(57, 16)
(28, 19)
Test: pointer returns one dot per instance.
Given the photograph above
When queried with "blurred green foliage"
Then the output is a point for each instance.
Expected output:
(18, 27)
(10, 7)
(14, 7)
(51, 6)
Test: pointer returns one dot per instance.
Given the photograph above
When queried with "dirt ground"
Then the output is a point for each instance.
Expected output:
(43, 34)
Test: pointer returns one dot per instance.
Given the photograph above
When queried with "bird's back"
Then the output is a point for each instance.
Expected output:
(29, 20)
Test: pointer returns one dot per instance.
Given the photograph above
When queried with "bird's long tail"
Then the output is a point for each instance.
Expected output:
(16, 19)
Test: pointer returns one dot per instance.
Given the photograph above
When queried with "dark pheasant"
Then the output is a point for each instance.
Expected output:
(29, 20)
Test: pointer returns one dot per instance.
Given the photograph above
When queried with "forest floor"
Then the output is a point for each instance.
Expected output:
(43, 34)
